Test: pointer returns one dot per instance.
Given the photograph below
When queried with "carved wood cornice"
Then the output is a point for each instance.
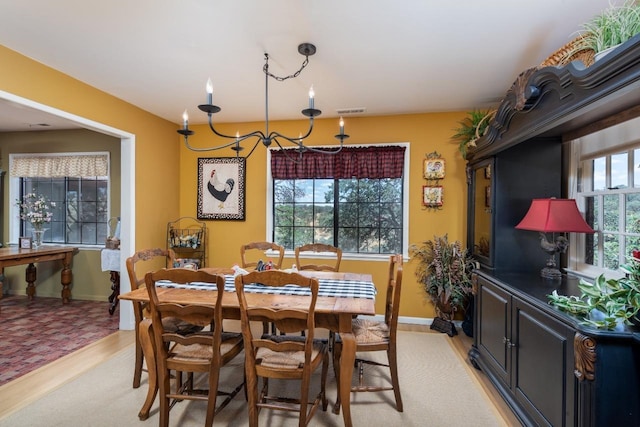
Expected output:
(585, 357)
(552, 101)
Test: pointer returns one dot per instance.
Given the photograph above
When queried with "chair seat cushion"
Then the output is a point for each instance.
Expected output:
(369, 331)
(173, 324)
(287, 359)
(203, 352)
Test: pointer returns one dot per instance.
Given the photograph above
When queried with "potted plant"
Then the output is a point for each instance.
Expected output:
(444, 270)
(471, 129)
(606, 303)
(606, 31)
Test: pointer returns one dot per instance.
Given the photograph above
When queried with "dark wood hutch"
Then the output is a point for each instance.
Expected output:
(549, 368)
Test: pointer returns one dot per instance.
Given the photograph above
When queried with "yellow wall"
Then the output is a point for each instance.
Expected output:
(165, 192)
(425, 133)
(156, 149)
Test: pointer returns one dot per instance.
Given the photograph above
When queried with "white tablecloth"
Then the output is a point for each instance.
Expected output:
(110, 259)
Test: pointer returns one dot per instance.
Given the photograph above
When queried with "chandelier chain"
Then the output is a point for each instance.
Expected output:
(265, 68)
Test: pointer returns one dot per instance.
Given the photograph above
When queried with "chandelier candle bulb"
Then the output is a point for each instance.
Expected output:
(341, 126)
(311, 96)
(185, 120)
(209, 92)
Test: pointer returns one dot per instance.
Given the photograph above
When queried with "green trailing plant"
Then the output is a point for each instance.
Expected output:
(605, 303)
(444, 270)
(471, 128)
(615, 25)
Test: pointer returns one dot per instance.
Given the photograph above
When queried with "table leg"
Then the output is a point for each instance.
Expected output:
(115, 288)
(347, 359)
(30, 276)
(65, 278)
(1, 281)
(148, 349)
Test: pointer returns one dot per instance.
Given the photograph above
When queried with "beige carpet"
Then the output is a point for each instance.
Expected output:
(437, 390)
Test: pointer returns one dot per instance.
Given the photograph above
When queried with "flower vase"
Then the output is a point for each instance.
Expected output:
(37, 237)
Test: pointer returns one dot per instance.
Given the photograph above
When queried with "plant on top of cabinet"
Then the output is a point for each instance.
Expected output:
(606, 303)
(444, 269)
(471, 129)
(614, 26)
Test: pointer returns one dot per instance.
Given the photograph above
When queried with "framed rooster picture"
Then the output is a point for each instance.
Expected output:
(221, 185)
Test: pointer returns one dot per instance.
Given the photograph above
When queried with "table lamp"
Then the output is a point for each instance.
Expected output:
(554, 216)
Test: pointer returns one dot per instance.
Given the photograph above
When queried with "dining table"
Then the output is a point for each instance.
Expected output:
(341, 297)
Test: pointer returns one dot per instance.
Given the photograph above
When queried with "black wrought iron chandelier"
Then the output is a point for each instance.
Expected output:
(267, 137)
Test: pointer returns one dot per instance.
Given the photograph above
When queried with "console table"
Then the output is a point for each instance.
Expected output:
(12, 256)
(110, 261)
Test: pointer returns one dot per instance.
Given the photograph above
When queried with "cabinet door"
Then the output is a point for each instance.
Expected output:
(542, 371)
(494, 328)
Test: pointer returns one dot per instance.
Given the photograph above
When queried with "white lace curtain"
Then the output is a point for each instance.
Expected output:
(76, 165)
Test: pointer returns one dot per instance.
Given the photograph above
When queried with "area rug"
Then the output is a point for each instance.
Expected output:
(437, 390)
(34, 333)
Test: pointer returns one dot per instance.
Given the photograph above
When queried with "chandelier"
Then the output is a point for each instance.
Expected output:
(267, 137)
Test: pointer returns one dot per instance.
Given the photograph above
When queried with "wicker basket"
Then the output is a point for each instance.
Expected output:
(567, 54)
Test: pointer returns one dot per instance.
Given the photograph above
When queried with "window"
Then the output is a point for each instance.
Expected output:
(609, 192)
(81, 212)
(354, 200)
(78, 183)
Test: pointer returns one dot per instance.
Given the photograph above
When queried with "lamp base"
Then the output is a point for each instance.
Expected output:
(550, 273)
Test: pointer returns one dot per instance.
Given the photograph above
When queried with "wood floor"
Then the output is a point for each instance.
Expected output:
(30, 387)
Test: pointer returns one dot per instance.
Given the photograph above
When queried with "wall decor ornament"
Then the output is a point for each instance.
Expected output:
(433, 168)
(432, 196)
(433, 172)
(221, 188)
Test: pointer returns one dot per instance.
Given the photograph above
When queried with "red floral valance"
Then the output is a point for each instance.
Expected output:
(373, 162)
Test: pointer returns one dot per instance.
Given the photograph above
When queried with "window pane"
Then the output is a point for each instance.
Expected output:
(348, 214)
(348, 238)
(619, 170)
(283, 190)
(632, 243)
(283, 214)
(348, 190)
(302, 236)
(369, 190)
(632, 211)
(369, 215)
(611, 246)
(304, 191)
(611, 212)
(599, 174)
(324, 215)
(323, 191)
(303, 215)
(391, 190)
(391, 241)
(284, 236)
(369, 240)
(323, 235)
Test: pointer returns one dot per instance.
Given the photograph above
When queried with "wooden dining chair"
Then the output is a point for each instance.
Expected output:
(317, 248)
(282, 357)
(138, 265)
(374, 335)
(251, 253)
(198, 352)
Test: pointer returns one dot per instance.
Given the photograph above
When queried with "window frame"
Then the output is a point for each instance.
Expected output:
(14, 194)
(581, 174)
(350, 255)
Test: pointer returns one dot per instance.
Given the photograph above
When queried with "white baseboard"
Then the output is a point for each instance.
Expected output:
(425, 321)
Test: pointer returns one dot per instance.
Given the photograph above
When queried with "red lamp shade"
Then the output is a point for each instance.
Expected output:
(554, 216)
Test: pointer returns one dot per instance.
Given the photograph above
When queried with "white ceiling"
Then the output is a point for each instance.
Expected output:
(388, 56)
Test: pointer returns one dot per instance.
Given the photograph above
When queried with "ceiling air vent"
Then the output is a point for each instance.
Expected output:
(353, 110)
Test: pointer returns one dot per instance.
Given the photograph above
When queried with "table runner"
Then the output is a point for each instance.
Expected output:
(340, 288)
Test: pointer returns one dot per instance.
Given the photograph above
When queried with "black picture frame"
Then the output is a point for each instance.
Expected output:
(221, 188)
